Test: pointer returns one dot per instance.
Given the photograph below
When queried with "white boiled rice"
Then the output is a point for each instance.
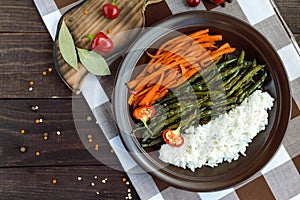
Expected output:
(223, 138)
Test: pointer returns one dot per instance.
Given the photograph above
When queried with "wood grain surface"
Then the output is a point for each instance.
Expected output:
(85, 19)
(25, 52)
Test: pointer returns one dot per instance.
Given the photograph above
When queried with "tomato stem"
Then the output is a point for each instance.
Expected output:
(113, 2)
(90, 36)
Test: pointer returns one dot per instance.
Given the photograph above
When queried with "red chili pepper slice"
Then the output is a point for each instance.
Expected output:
(173, 137)
(144, 113)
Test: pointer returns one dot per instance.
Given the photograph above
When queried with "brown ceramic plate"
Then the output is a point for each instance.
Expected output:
(265, 144)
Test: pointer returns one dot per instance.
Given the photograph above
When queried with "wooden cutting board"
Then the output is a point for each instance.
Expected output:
(87, 18)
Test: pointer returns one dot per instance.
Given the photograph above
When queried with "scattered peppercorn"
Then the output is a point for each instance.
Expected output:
(37, 153)
(44, 73)
(54, 181)
(50, 69)
(31, 82)
(23, 149)
(104, 180)
(22, 131)
(34, 108)
(37, 121)
(45, 136)
(88, 118)
(86, 12)
(90, 138)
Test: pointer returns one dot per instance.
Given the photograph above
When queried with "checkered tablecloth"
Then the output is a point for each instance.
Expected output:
(280, 178)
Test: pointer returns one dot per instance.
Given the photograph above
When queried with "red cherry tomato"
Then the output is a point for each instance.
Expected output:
(193, 3)
(110, 10)
(217, 2)
(101, 43)
(173, 137)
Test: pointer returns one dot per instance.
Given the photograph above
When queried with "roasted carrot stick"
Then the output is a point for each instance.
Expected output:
(197, 33)
(210, 38)
(215, 54)
(224, 46)
(185, 77)
(159, 95)
(149, 96)
(170, 77)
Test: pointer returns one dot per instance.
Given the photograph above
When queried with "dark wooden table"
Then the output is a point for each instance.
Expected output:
(55, 164)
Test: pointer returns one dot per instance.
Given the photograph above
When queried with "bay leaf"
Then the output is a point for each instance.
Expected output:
(93, 62)
(67, 46)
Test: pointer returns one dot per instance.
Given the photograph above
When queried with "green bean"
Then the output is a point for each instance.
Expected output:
(210, 75)
(158, 140)
(241, 58)
(252, 88)
(186, 121)
(199, 87)
(254, 63)
(224, 64)
(246, 77)
(230, 78)
(156, 131)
